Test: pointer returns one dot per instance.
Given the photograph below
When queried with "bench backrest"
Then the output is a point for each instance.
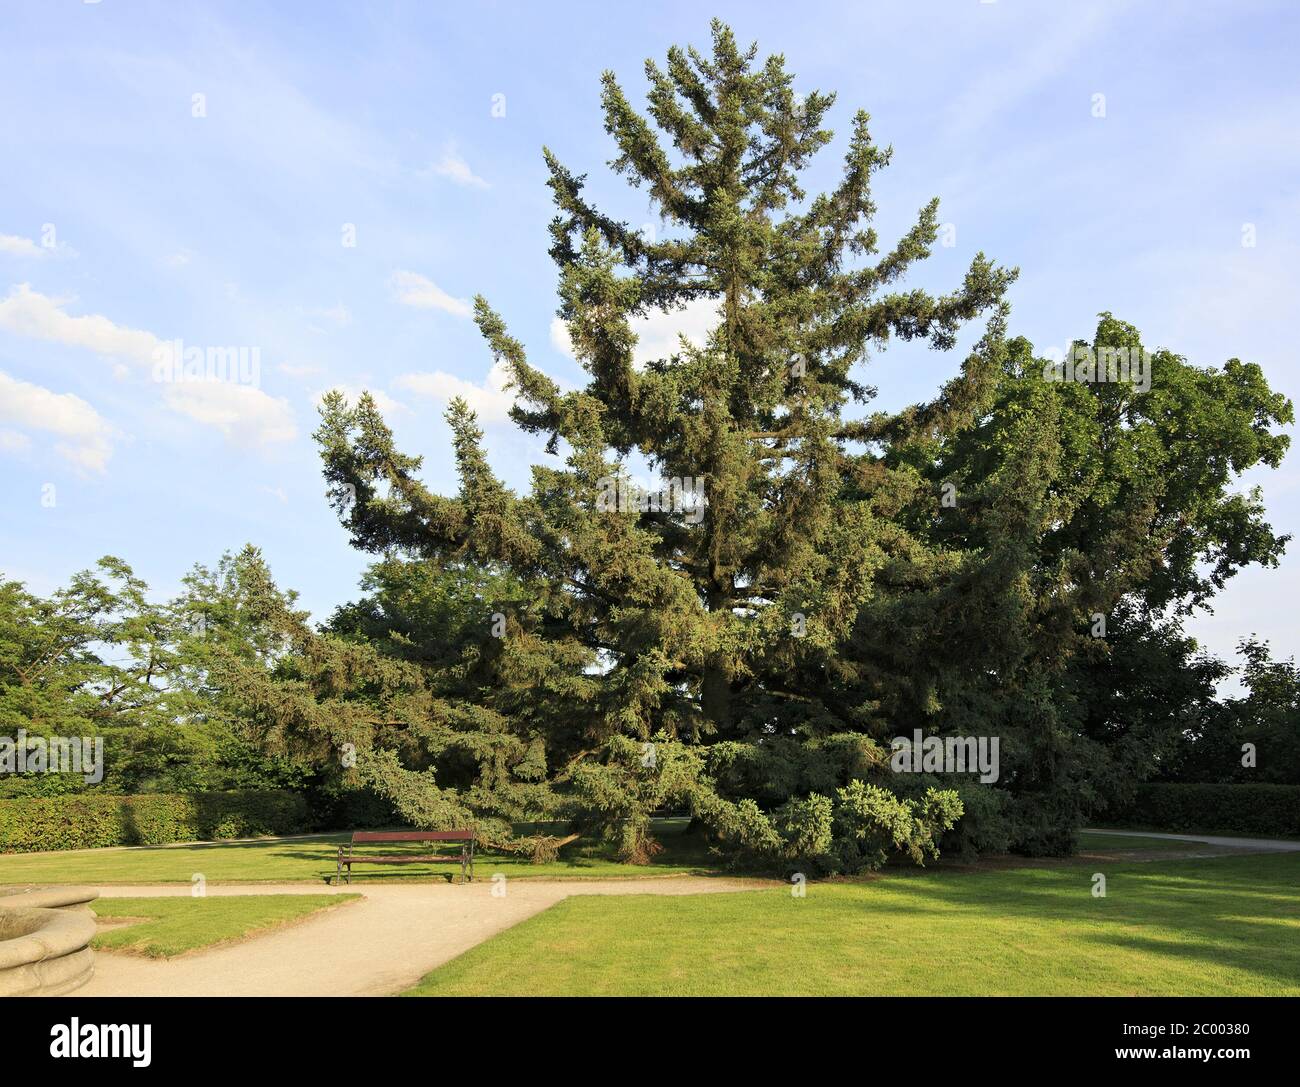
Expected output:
(413, 836)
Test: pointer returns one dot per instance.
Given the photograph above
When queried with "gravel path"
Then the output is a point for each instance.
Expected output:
(381, 944)
(1258, 845)
(396, 933)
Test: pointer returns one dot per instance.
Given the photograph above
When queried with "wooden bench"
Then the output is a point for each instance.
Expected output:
(348, 855)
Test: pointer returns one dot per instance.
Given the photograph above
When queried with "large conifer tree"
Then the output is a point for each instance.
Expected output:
(721, 627)
(744, 660)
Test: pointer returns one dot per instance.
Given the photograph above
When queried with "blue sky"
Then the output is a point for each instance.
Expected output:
(193, 171)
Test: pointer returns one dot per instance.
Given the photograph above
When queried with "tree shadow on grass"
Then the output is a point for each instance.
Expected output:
(1237, 912)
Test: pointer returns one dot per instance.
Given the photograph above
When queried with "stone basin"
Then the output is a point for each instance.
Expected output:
(58, 898)
(45, 935)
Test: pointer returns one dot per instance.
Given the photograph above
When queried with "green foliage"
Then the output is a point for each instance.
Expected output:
(824, 599)
(1259, 810)
(99, 659)
(90, 821)
(872, 824)
(854, 832)
(1250, 739)
(1268, 718)
(659, 623)
(807, 826)
(92, 660)
(983, 829)
(1074, 502)
(542, 656)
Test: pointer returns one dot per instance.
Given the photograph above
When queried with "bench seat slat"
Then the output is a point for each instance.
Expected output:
(464, 856)
(412, 859)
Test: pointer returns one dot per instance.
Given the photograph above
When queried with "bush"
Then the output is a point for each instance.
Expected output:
(872, 823)
(87, 821)
(983, 829)
(1208, 809)
(1043, 824)
(337, 808)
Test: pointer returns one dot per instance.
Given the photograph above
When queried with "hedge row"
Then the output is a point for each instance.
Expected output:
(1208, 809)
(87, 821)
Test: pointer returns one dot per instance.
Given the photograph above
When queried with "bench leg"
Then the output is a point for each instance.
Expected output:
(340, 875)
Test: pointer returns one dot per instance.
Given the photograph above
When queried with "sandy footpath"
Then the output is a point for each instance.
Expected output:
(380, 944)
(1251, 845)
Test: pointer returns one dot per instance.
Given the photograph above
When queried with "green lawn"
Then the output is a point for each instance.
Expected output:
(298, 859)
(1210, 926)
(279, 859)
(172, 926)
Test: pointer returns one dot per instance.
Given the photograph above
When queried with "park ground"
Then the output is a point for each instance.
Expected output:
(1179, 916)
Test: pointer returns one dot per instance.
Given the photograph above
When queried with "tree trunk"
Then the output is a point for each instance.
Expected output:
(715, 692)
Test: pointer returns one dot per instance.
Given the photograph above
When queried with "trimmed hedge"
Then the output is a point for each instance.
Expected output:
(1209, 809)
(88, 821)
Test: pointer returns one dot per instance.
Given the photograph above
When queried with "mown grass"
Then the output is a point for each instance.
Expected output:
(172, 926)
(312, 858)
(1221, 926)
(296, 859)
(287, 860)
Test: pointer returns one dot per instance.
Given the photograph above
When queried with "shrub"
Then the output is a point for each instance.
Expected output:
(806, 826)
(87, 821)
(872, 823)
(1208, 809)
(351, 809)
(983, 828)
(1043, 824)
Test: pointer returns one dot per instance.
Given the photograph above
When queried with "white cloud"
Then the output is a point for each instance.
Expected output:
(560, 338)
(657, 333)
(85, 437)
(242, 413)
(491, 400)
(13, 442)
(277, 493)
(26, 312)
(19, 247)
(455, 168)
(416, 290)
(179, 259)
